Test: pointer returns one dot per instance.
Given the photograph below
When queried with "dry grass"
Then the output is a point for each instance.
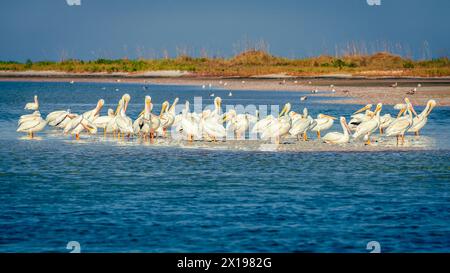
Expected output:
(251, 63)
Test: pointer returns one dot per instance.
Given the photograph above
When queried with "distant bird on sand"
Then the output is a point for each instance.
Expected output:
(72, 82)
(394, 85)
(345, 91)
(412, 91)
(118, 80)
(419, 85)
(333, 90)
(303, 98)
(314, 91)
(203, 86)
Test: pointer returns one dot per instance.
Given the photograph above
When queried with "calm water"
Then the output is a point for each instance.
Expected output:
(136, 198)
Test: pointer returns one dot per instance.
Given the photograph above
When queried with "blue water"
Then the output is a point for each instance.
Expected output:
(136, 198)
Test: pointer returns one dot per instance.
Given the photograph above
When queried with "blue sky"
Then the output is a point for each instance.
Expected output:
(51, 29)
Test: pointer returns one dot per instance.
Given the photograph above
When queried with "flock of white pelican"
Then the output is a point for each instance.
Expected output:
(213, 124)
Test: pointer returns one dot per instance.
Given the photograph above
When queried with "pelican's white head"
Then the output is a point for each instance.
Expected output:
(164, 107)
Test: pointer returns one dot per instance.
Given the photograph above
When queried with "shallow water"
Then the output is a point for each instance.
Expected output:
(132, 197)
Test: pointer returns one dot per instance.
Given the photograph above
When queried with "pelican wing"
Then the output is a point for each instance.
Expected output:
(399, 126)
(333, 137)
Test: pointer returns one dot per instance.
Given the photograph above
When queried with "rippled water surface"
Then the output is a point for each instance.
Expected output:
(130, 197)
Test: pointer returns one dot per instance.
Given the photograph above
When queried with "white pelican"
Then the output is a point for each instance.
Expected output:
(358, 117)
(301, 124)
(387, 119)
(111, 126)
(280, 126)
(86, 122)
(323, 122)
(32, 125)
(337, 137)
(33, 105)
(212, 122)
(94, 113)
(24, 118)
(402, 124)
(59, 118)
(167, 117)
(102, 121)
(188, 124)
(143, 124)
(238, 123)
(124, 123)
(368, 127)
(262, 124)
(420, 120)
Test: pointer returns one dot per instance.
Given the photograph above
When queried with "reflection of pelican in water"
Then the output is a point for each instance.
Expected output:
(420, 120)
(337, 137)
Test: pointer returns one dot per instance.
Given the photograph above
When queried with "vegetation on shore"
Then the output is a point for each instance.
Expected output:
(251, 63)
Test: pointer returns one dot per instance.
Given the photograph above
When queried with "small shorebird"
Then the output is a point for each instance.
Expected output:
(314, 91)
(394, 85)
(303, 98)
(211, 95)
(230, 94)
(412, 91)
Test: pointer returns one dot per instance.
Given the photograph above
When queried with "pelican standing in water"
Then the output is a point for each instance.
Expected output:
(32, 125)
(124, 123)
(166, 119)
(27, 117)
(102, 121)
(368, 127)
(280, 126)
(337, 137)
(323, 122)
(237, 123)
(33, 105)
(143, 124)
(420, 120)
(212, 122)
(402, 124)
(188, 124)
(301, 124)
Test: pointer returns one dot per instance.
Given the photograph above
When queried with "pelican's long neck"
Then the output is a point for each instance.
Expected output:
(98, 108)
(344, 128)
(216, 108)
(172, 107)
(36, 100)
(425, 111)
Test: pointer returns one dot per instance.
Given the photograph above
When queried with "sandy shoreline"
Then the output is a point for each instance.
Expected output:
(354, 90)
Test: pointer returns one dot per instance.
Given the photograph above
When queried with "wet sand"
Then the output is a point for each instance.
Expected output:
(347, 90)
